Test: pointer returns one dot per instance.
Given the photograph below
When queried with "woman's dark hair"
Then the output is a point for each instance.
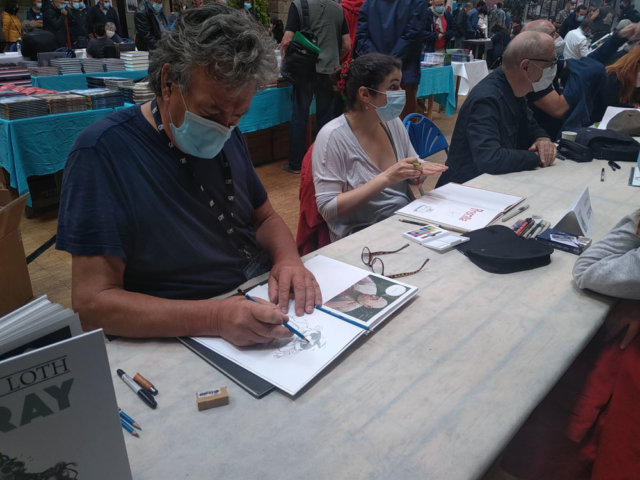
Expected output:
(99, 29)
(369, 71)
(497, 28)
(278, 29)
(11, 7)
(516, 20)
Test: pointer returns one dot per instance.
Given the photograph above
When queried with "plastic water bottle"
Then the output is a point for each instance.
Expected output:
(471, 55)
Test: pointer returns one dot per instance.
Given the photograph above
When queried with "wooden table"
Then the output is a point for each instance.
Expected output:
(435, 393)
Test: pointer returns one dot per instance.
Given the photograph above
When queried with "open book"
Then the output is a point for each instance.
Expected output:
(362, 297)
(459, 207)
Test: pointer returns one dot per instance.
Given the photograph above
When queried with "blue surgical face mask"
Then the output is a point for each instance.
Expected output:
(76, 5)
(571, 10)
(107, 5)
(396, 100)
(38, 6)
(439, 8)
(61, 6)
(580, 18)
(82, 5)
(157, 7)
(198, 136)
(247, 6)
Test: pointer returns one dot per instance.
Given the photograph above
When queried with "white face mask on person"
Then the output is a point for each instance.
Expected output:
(396, 100)
(110, 33)
(548, 74)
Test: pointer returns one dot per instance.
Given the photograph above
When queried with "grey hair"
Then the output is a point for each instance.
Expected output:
(526, 45)
(28, 26)
(623, 23)
(232, 47)
(110, 25)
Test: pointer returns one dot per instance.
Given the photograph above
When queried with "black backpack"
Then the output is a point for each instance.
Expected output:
(609, 144)
(299, 64)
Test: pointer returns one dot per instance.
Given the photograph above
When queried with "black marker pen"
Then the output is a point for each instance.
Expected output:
(148, 399)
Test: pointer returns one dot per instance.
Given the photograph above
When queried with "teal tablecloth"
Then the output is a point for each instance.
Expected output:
(269, 108)
(439, 82)
(79, 81)
(40, 146)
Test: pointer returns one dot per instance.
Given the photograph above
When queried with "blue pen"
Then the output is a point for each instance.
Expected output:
(129, 428)
(344, 319)
(129, 420)
(284, 324)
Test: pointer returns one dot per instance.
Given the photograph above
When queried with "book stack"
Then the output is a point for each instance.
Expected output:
(142, 93)
(11, 93)
(44, 71)
(65, 103)
(28, 63)
(67, 65)
(135, 60)
(14, 76)
(114, 83)
(113, 65)
(92, 65)
(101, 98)
(57, 398)
(16, 108)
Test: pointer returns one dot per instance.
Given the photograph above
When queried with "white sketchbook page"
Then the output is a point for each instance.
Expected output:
(333, 276)
(291, 363)
(609, 114)
(436, 210)
(477, 197)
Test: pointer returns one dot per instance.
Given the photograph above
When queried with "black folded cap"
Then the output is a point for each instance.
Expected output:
(497, 249)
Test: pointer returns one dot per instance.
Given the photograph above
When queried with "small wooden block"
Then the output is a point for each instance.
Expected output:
(212, 398)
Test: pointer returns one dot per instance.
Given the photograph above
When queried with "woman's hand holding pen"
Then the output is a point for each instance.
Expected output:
(411, 169)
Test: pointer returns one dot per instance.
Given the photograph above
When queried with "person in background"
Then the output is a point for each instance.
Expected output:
(439, 28)
(587, 426)
(517, 26)
(103, 12)
(151, 22)
(507, 20)
(483, 20)
(351, 10)
(56, 20)
(395, 28)
(569, 8)
(363, 160)
(98, 43)
(110, 32)
(602, 21)
(123, 174)
(495, 132)
(592, 11)
(276, 29)
(573, 21)
(177, 6)
(247, 6)
(461, 24)
(628, 12)
(622, 89)
(497, 17)
(196, 3)
(36, 40)
(576, 42)
(472, 21)
(500, 38)
(79, 27)
(329, 25)
(11, 26)
(34, 14)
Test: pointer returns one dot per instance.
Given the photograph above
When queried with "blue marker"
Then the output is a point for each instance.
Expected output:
(344, 319)
(284, 324)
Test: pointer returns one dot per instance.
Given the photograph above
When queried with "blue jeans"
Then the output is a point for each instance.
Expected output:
(302, 97)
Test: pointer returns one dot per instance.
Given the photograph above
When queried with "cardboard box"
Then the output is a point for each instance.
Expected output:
(259, 146)
(15, 284)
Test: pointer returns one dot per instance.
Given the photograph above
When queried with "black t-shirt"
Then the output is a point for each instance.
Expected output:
(126, 195)
(96, 46)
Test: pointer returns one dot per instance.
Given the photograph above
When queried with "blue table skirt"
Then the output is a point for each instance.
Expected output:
(40, 145)
(62, 83)
(269, 108)
(439, 82)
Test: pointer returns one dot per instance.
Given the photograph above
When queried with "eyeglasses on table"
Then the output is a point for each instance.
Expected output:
(373, 260)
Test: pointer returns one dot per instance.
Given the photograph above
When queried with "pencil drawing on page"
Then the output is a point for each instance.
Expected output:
(285, 347)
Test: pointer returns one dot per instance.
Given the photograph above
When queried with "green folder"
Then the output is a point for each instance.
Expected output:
(304, 41)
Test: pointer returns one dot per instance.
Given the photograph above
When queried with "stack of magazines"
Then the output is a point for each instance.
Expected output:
(65, 103)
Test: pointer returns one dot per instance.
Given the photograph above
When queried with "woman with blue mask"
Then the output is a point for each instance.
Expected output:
(363, 160)
(247, 6)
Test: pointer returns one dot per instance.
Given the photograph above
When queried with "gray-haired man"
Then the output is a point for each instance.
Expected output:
(161, 207)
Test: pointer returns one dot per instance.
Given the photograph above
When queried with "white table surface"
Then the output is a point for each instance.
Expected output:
(435, 393)
(470, 74)
(11, 57)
